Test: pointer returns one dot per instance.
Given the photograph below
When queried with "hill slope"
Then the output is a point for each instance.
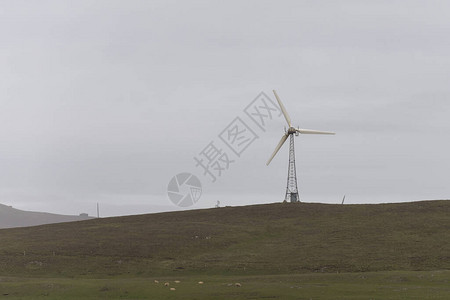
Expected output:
(11, 217)
(272, 238)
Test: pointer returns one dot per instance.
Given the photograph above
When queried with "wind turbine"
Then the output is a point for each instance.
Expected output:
(291, 189)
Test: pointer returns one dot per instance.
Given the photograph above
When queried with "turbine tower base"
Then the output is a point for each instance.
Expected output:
(292, 198)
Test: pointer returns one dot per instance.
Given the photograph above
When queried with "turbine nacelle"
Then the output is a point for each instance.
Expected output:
(292, 130)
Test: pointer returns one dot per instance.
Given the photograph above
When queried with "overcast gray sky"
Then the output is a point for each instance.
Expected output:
(105, 101)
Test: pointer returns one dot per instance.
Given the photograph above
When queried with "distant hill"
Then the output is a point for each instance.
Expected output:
(258, 239)
(11, 217)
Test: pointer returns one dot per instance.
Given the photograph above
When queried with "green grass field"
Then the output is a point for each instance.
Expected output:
(284, 251)
(378, 285)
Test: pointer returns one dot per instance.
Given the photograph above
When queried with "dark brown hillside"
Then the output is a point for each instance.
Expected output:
(272, 238)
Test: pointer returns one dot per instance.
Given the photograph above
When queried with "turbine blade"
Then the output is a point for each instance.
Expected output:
(309, 131)
(286, 116)
(283, 139)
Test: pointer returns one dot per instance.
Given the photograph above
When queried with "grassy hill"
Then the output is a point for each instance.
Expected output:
(11, 217)
(260, 239)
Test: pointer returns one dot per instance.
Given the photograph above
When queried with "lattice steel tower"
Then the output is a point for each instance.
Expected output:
(291, 188)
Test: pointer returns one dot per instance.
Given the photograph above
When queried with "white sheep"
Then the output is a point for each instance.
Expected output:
(166, 284)
(177, 281)
(237, 284)
(172, 289)
(156, 281)
(200, 282)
